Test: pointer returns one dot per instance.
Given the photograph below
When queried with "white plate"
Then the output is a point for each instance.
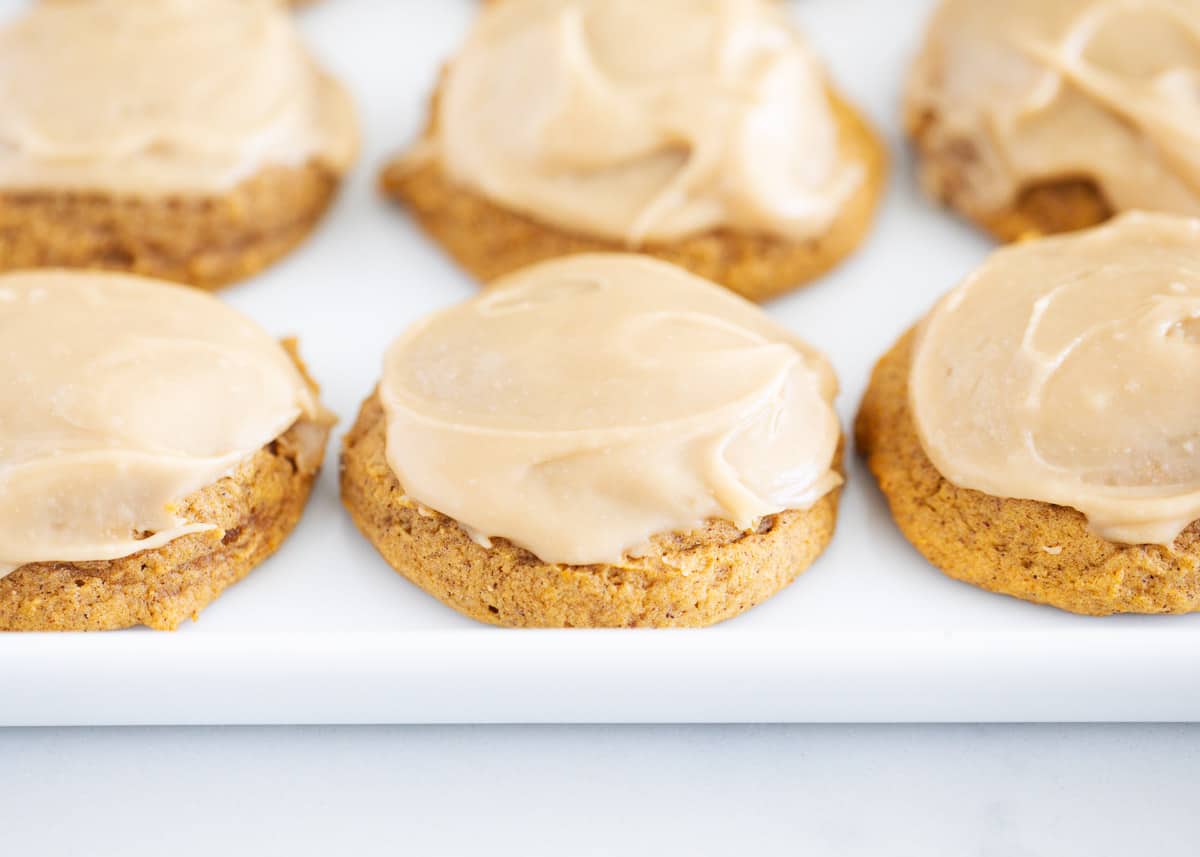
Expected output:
(327, 632)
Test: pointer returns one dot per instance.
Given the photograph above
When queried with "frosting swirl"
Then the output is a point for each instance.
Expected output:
(162, 96)
(641, 122)
(1027, 91)
(1063, 371)
(121, 396)
(583, 405)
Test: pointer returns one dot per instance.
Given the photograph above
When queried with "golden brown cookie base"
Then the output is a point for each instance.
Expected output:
(1031, 550)
(690, 579)
(1049, 209)
(489, 240)
(202, 241)
(254, 510)
(1046, 208)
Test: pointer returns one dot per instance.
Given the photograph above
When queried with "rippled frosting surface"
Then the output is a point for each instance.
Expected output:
(119, 397)
(1066, 370)
(644, 121)
(1027, 91)
(162, 96)
(583, 405)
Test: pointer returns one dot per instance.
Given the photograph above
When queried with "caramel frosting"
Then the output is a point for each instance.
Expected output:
(1029, 91)
(1065, 371)
(583, 405)
(162, 96)
(121, 396)
(644, 121)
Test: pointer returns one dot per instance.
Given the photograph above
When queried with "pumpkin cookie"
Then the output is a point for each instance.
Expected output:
(192, 141)
(603, 125)
(156, 446)
(598, 441)
(1033, 117)
(1034, 436)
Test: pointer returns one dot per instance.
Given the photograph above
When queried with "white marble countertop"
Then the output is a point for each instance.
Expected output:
(883, 791)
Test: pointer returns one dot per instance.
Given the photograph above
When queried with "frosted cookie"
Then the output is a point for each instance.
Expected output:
(1038, 434)
(604, 440)
(193, 140)
(155, 446)
(1033, 117)
(703, 133)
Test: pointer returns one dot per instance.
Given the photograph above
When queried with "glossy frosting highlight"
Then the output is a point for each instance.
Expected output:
(583, 405)
(1065, 370)
(644, 121)
(121, 396)
(162, 96)
(1027, 91)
